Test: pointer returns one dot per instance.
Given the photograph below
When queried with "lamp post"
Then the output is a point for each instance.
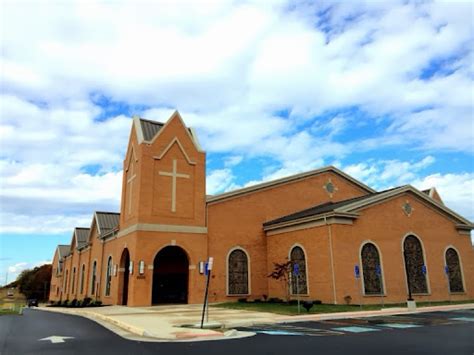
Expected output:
(407, 266)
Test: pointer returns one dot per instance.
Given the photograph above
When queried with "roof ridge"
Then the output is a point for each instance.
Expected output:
(106, 212)
(151, 121)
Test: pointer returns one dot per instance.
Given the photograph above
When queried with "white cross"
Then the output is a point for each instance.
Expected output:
(174, 174)
(130, 186)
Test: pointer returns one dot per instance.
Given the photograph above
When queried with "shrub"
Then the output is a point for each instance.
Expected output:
(73, 303)
(97, 303)
(275, 300)
(348, 299)
(242, 300)
(86, 302)
(265, 297)
(317, 302)
(65, 303)
(257, 300)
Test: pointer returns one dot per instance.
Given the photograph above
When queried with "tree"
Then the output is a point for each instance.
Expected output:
(282, 272)
(35, 283)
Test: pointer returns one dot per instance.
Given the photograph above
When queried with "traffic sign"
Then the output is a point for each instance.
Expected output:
(357, 271)
(296, 269)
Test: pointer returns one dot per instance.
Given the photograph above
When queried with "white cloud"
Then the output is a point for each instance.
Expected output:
(229, 68)
(456, 190)
(220, 180)
(384, 174)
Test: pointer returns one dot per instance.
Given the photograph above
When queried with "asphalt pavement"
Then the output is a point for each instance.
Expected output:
(37, 332)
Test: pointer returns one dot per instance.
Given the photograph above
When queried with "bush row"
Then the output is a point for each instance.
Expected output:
(276, 300)
(86, 302)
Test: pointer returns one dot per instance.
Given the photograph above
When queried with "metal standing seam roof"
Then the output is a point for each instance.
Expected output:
(82, 235)
(63, 250)
(322, 208)
(107, 221)
(151, 128)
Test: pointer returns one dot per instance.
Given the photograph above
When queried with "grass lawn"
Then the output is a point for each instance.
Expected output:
(292, 309)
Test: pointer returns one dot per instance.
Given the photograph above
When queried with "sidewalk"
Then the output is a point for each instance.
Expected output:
(164, 323)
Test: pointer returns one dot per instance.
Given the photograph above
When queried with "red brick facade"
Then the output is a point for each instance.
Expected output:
(165, 210)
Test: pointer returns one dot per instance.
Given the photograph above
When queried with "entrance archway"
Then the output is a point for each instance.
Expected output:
(170, 276)
(125, 276)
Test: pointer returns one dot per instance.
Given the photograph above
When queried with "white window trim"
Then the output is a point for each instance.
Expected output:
(384, 290)
(427, 276)
(306, 270)
(460, 267)
(249, 273)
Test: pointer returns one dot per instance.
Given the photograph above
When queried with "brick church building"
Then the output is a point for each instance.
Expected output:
(324, 221)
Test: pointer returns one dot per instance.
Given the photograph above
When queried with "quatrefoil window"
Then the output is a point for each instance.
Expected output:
(330, 187)
(407, 208)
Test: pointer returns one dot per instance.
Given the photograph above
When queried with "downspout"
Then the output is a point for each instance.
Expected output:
(331, 257)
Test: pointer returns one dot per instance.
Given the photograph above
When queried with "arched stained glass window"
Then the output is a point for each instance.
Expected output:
(83, 271)
(73, 279)
(415, 265)
(108, 276)
(93, 277)
(299, 285)
(454, 271)
(238, 269)
(371, 269)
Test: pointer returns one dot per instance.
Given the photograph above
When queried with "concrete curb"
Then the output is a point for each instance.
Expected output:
(189, 335)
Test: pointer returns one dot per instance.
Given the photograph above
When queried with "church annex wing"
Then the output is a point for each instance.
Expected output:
(348, 210)
(274, 183)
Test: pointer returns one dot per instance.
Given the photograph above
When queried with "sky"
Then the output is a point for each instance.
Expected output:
(381, 89)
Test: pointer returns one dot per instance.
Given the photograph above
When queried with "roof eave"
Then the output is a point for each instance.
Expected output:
(321, 216)
(272, 183)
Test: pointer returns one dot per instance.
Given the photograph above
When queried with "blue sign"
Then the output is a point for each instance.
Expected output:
(423, 269)
(378, 271)
(206, 270)
(357, 271)
(296, 269)
(446, 269)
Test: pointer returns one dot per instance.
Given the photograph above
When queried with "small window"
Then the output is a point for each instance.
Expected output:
(108, 276)
(83, 271)
(93, 277)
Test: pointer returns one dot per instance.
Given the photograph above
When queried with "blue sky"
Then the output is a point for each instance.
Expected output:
(382, 90)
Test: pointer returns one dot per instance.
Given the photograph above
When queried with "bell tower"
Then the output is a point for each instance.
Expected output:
(164, 183)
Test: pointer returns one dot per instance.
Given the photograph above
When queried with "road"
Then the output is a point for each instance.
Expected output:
(427, 333)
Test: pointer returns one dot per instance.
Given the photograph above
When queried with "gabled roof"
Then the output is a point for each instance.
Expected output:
(350, 206)
(63, 251)
(82, 236)
(273, 183)
(106, 222)
(147, 130)
(150, 128)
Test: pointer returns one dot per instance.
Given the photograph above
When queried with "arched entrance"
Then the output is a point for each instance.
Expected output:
(170, 276)
(125, 276)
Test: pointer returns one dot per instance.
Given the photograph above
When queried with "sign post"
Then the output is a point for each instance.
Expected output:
(296, 272)
(446, 272)
(423, 270)
(208, 274)
(357, 277)
(378, 271)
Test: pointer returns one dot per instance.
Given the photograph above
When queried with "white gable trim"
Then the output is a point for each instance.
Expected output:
(168, 147)
(138, 129)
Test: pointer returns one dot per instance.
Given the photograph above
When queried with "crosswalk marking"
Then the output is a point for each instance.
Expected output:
(465, 319)
(400, 325)
(357, 329)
